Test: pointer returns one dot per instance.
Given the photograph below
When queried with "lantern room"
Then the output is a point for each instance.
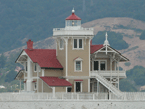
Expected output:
(73, 20)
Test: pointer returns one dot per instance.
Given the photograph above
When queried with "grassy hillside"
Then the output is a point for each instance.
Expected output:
(35, 19)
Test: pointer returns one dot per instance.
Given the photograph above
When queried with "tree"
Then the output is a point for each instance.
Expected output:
(142, 36)
(2, 61)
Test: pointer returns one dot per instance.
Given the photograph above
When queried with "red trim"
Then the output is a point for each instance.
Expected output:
(78, 80)
(24, 81)
(33, 81)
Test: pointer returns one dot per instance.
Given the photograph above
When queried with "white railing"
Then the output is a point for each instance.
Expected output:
(108, 85)
(62, 29)
(75, 32)
(109, 73)
(127, 96)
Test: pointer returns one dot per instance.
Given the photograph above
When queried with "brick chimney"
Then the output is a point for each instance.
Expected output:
(30, 44)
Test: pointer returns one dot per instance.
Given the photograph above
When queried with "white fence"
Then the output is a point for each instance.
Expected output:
(129, 96)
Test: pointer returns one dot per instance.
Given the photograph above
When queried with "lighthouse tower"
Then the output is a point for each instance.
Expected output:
(73, 52)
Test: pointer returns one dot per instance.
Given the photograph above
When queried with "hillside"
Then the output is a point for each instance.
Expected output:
(35, 19)
(128, 27)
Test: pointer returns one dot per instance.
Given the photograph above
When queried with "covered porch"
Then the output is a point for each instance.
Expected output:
(53, 83)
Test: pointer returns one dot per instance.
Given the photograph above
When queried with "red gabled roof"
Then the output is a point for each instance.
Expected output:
(95, 48)
(46, 58)
(73, 17)
(55, 81)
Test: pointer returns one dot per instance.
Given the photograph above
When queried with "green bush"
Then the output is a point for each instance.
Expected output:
(142, 36)
(115, 40)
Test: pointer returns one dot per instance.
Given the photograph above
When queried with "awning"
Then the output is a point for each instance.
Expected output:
(56, 82)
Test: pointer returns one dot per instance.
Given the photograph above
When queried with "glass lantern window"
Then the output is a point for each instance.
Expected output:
(73, 22)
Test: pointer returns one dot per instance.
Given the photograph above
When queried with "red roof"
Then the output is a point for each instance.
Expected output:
(73, 17)
(46, 58)
(95, 48)
(55, 81)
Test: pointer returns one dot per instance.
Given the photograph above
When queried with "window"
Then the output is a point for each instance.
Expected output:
(35, 67)
(78, 65)
(26, 66)
(61, 44)
(100, 65)
(78, 44)
(75, 43)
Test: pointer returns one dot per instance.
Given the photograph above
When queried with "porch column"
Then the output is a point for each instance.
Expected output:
(97, 87)
(42, 86)
(29, 75)
(111, 70)
(118, 73)
(24, 83)
(37, 81)
(20, 84)
(88, 85)
(53, 92)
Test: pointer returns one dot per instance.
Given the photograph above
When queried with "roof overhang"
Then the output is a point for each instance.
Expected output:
(19, 75)
(112, 50)
(55, 82)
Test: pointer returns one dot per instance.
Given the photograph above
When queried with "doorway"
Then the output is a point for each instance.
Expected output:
(78, 86)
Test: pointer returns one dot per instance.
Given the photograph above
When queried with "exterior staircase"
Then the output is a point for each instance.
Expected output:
(108, 85)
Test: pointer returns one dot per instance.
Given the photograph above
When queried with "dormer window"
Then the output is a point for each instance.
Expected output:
(61, 44)
(78, 44)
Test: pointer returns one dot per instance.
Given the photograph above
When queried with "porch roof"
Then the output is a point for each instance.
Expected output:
(55, 81)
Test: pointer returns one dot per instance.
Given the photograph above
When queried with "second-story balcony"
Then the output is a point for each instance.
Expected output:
(109, 73)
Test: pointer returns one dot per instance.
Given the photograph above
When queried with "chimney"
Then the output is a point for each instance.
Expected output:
(91, 42)
(30, 44)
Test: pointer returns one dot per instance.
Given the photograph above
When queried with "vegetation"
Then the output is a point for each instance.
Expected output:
(8, 73)
(127, 63)
(115, 39)
(35, 19)
(135, 77)
(142, 36)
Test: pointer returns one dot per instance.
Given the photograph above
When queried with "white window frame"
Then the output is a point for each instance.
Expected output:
(62, 44)
(99, 65)
(78, 44)
(78, 59)
(80, 84)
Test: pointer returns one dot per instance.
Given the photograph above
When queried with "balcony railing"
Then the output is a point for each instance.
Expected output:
(127, 96)
(121, 74)
(80, 31)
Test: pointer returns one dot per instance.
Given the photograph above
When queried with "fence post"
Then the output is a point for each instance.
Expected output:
(93, 96)
(47, 96)
(62, 96)
(77, 96)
